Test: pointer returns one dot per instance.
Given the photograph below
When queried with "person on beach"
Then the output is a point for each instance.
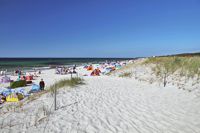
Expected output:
(74, 69)
(42, 85)
(16, 72)
(39, 72)
(66, 70)
(1, 73)
(19, 76)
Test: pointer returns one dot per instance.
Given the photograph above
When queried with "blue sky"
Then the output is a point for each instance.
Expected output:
(98, 28)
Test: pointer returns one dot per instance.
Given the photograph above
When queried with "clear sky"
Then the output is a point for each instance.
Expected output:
(98, 28)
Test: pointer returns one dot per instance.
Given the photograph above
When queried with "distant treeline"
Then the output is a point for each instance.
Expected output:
(183, 55)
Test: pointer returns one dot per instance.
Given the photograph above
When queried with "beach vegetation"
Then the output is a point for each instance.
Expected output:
(20, 83)
(183, 66)
(72, 82)
(126, 74)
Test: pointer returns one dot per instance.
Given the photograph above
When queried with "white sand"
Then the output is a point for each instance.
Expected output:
(107, 104)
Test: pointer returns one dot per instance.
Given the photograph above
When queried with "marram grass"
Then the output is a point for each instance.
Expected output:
(125, 74)
(185, 66)
(65, 83)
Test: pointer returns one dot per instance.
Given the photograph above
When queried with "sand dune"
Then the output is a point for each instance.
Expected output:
(109, 105)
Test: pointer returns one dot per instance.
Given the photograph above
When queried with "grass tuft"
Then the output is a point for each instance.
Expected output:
(58, 85)
(65, 83)
(126, 74)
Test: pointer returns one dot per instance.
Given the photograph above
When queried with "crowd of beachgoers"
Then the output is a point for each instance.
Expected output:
(6, 90)
(111, 100)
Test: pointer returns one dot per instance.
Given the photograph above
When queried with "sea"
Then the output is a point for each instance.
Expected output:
(11, 64)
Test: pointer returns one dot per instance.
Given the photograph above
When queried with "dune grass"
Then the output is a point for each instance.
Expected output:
(65, 83)
(58, 85)
(185, 66)
(126, 74)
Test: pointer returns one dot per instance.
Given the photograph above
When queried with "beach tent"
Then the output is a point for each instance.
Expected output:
(90, 68)
(85, 67)
(12, 98)
(35, 88)
(107, 70)
(5, 79)
(113, 68)
(110, 68)
(5, 92)
(22, 78)
(21, 91)
(2, 89)
(118, 66)
(13, 95)
(28, 78)
(96, 72)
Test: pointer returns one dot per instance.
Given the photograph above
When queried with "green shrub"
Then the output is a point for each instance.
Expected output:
(16, 84)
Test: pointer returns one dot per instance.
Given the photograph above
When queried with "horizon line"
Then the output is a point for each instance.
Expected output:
(78, 57)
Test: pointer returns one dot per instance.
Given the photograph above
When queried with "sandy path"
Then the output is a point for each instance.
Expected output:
(108, 104)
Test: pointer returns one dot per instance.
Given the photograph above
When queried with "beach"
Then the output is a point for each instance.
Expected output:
(106, 104)
(100, 66)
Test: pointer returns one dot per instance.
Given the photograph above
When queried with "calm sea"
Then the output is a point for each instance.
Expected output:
(28, 63)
